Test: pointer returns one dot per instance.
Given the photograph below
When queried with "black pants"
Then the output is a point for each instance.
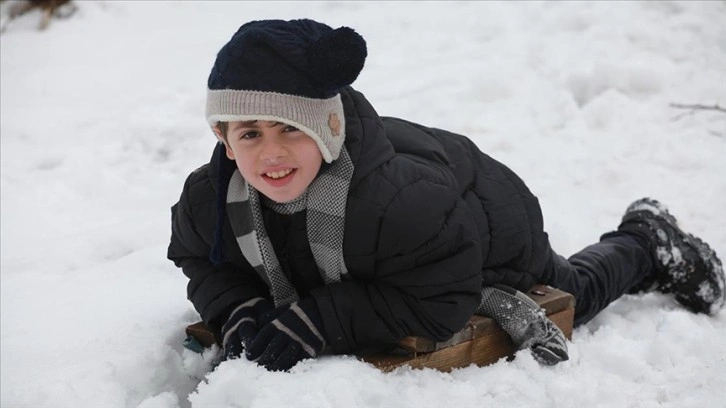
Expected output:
(600, 273)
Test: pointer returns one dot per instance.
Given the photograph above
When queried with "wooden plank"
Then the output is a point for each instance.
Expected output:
(481, 342)
(201, 332)
(487, 348)
(564, 320)
(551, 299)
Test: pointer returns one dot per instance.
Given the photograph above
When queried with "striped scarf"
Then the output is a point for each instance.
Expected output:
(325, 200)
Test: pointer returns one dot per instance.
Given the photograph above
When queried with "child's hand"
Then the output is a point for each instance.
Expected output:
(295, 335)
(242, 326)
(525, 322)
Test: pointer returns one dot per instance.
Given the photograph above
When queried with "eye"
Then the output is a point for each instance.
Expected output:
(249, 135)
(289, 128)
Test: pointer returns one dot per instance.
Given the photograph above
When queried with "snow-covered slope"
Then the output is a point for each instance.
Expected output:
(102, 119)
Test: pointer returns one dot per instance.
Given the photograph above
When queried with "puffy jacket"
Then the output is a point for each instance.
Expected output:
(429, 219)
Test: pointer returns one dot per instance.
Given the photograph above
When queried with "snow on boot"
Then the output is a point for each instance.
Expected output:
(685, 265)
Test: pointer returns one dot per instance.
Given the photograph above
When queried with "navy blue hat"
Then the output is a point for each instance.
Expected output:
(290, 72)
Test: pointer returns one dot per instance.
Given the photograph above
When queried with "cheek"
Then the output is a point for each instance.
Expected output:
(247, 171)
(245, 163)
(311, 156)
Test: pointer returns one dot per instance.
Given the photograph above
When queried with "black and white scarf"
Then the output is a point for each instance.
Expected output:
(325, 200)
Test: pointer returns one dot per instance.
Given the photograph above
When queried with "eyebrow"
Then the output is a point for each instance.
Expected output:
(253, 124)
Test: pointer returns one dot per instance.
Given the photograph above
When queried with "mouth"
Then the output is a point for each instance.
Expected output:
(276, 175)
(279, 178)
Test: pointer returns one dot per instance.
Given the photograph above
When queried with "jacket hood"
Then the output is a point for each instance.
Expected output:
(366, 139)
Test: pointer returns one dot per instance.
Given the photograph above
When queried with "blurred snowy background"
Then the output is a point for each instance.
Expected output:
(101, 120)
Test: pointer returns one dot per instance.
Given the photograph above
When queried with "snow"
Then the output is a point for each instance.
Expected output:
(102, 119)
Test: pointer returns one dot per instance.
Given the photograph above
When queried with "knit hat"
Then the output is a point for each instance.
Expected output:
(290, 72)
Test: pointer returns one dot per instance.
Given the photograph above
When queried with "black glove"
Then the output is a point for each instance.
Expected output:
(294, 335)
(525, 322)
(242, 326)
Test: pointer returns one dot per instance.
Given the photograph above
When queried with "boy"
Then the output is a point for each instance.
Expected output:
(319, 223)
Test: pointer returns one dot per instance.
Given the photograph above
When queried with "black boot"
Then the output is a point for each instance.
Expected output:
(684, 265)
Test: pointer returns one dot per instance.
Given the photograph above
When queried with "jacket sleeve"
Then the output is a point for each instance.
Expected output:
(427, 277)
(213, 290)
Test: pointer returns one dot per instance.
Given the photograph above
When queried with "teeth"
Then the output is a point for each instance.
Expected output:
(278, 174)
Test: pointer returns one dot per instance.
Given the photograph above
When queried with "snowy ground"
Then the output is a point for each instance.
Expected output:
(102, 119)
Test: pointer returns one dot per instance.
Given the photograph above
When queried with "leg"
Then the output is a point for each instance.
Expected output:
(648, 251)
(600, 273)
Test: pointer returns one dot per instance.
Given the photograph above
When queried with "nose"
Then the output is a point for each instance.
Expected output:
(272, 150)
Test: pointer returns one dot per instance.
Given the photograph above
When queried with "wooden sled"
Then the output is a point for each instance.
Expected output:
(481, 342)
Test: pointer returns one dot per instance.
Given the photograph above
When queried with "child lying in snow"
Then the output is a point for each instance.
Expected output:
(320, 223)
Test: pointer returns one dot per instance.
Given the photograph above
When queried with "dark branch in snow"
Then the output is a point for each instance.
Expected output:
(49, 8)
(698, 106)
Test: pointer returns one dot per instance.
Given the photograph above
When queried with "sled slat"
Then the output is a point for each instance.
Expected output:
(201, 332)
(550, 299)
(482, 342)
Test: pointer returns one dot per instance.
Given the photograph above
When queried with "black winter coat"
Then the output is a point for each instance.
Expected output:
(429, 218)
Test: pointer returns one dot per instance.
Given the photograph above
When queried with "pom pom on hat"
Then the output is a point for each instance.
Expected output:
(287, 71)
(338, 57)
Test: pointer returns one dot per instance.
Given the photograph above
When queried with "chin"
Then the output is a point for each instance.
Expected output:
(282, 198)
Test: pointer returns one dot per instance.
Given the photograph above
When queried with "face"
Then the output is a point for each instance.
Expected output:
(278, 160)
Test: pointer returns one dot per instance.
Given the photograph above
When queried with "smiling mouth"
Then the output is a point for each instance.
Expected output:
(279, 174)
